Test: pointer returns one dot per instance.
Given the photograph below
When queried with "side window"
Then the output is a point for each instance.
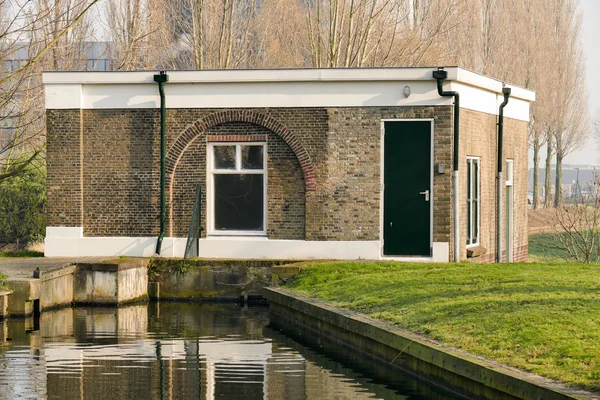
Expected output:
(473, 201)
(237, 185)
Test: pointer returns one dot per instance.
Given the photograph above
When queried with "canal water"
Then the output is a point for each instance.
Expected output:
(180, 351)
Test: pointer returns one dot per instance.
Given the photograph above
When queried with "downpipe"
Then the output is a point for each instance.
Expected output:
(440, 75)
(161, 79)
(506, 92)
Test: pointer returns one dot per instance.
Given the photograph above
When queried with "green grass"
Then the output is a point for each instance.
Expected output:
(542, 248)
(21, 254)
(2, 279)
(540, 318)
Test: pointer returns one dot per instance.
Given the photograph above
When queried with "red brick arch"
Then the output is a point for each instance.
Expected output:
(202, 125)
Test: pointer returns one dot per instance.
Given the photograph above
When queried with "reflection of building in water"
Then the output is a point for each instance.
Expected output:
(182, 352)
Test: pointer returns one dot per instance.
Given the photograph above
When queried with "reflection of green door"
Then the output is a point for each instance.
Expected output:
(407, 188)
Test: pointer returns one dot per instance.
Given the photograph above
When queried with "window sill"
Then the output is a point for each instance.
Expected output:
(236, 237)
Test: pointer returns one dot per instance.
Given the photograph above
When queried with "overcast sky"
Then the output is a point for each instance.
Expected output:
(591, 45)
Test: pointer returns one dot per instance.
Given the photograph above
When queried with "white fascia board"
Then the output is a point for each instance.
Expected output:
(240, 76)
(520, 93)
(63, 96)
(86, 78)
(265, 94)
(266, 88)
(486, 83)
(486, 101)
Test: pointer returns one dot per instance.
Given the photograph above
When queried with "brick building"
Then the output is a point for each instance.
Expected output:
(314, 163)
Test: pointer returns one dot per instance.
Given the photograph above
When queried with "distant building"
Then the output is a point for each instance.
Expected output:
(97, 57)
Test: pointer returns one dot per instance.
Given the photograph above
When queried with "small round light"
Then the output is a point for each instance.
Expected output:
(406, 91)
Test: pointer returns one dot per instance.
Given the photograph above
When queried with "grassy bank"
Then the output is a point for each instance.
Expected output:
(21, 254)
(541, 318)
(547, 248)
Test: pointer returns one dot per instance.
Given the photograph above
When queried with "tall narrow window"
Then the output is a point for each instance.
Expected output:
(237, 188)
(472, 201)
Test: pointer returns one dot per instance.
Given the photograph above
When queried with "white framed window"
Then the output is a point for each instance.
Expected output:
(237, 188)
(473, 190)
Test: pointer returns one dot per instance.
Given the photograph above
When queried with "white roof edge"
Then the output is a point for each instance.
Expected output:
(474, 79)
(285, 75)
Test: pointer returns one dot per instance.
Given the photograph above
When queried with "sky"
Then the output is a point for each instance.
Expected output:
(590, 154)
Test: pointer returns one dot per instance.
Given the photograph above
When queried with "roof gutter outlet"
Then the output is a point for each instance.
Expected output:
(440, 75)
(506, 92)
(161, 79)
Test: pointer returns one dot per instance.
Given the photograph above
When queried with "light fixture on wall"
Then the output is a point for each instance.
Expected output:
(406, 91)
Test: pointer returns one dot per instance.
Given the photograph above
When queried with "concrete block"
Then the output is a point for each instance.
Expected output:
(111, 282)
(25, 291)
(4, 303)
(56, 287)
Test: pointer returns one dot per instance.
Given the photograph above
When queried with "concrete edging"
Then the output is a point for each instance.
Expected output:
(366, 330)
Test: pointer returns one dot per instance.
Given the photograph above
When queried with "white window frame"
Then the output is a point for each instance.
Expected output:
(470, 161)
(211, 171)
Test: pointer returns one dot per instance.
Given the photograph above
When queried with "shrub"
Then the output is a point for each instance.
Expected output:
(23, 207)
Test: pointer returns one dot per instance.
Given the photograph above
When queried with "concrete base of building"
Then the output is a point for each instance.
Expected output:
(70, 242)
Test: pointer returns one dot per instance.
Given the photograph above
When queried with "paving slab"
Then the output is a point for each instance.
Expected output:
(23, 267)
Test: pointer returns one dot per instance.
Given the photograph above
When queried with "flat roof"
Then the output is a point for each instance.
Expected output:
(455, 74)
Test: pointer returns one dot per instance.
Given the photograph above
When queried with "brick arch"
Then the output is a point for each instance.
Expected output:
(202, 125)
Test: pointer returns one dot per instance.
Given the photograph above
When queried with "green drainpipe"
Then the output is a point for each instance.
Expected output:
(500, 181)
(161, 79)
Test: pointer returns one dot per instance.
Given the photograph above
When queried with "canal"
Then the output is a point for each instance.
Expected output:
(183, 351)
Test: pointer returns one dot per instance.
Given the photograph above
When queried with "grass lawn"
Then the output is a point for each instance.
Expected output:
(542, 248)
(21, 254)
(544, 318)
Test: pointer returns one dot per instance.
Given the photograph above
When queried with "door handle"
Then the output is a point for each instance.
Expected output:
(426, 193)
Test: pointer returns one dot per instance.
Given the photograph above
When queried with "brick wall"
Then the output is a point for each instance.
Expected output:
(121, 172)
(119, 165)
(479, 138)
(63, 160)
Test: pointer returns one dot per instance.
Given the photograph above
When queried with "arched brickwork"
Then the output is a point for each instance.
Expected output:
(190, 133)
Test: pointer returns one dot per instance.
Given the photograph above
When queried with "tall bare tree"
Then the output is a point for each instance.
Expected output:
(32, 34)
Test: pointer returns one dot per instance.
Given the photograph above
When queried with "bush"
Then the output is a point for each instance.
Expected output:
(23, 207)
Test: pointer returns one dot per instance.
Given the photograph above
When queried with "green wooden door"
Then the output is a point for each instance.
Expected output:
(407, 188)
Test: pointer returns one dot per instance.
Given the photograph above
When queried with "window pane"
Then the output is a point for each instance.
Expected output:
(224, 157)
(469, 222)
(252, 157)
(475, 222)
(239, 201)
(476, 179)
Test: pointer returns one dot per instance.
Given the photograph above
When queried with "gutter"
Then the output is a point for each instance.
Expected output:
(161, 79)
(440, 75)
(506, 92)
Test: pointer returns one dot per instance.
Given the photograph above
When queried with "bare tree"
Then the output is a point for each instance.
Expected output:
(31, 33)
(570, 126)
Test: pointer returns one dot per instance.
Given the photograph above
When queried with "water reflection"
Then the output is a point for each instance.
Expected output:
(174, 351)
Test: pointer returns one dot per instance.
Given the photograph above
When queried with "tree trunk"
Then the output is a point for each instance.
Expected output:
(536, 172)
(558, 182)
(548, 176)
